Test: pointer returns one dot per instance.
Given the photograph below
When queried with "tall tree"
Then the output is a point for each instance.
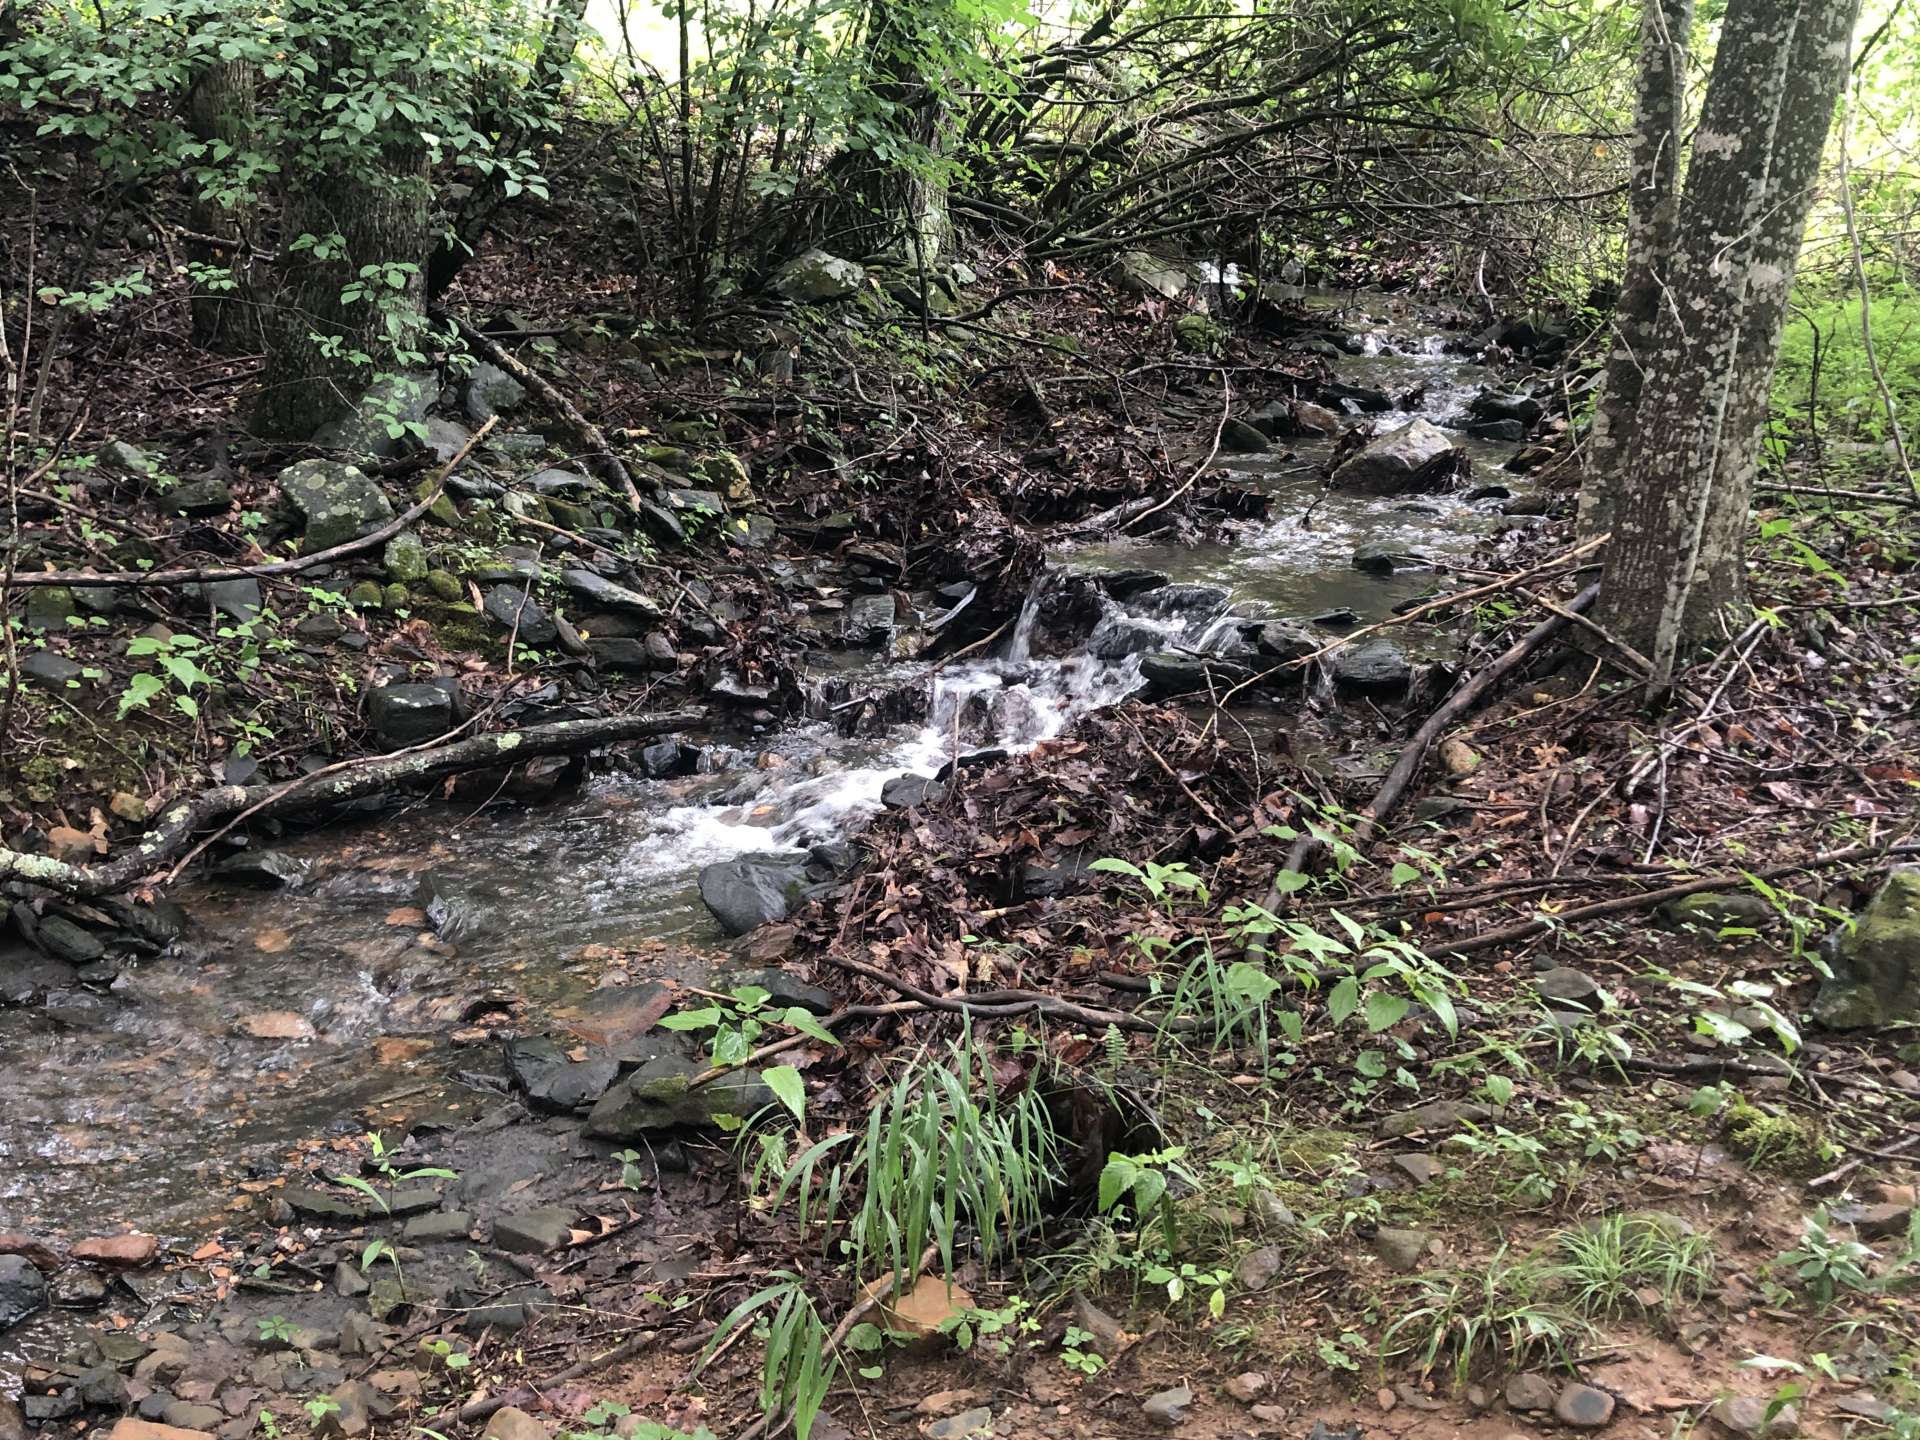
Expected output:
(1679, 512)
(1653, 220)
(220, 113)
(348, 306)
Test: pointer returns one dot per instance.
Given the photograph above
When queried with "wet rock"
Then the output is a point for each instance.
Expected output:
(816, 277)
(1393, 463)
(1374, 667)
(41, 1252)
(1492, 405)
(132, 1250)
(489, 391)
(1566, 986)
(907, 792)
(753, 890)
(1121, 584)
(784, 991)
(627, 655)
(1169, 1408)
(669, 759)
(1435, 1116)
(554, 1084)
(101, 1387)
(1583, 1407)
(596, 590)
(870, 620)
(1531, 1391)
(23, 1291)
(55, 672)
(730, 687)
(262, 869)
(1876, 965)
(207, 496)
(64, 940)
(1383, 557)
(1402, 1250)
(1719, 911)
(1117, 637)
(513, 1423)
(656, 1097)
(1168, 673)
(1280, 640)
(1355, 399)
(1184, 600)
(335, 502)
(1138, 273)
(409, 714)
(534, 1232)
(513, 608)
(1241, 438)
(1510, 432)
(311, 1204)
(435, 1228)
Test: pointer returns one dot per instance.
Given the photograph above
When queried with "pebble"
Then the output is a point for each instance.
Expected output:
(977, 1421)
(513, 1423)
(1403, 1250)
(1169, 1408)
(1583, 1407)
(1247, 1387)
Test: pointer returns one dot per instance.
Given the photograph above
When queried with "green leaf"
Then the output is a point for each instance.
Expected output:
(788, 1087)
(1403, 874)
(1499, 1089)
(802, 1020)
(691, 1019)
(1343, 1000)
(1384, 1011)
(1285, 882)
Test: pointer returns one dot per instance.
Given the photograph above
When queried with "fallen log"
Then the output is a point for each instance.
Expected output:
(381, 772)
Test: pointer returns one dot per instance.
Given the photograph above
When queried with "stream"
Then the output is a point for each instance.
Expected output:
(297, 1013)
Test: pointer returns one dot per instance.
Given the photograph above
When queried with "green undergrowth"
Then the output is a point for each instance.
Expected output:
(1824, 369)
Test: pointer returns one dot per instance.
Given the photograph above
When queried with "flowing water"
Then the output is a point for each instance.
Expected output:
(149, 1103)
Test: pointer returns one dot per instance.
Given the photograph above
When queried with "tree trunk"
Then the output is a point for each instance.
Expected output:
(335, 327)
(220, 111)
(1653, 219)
(1654, 579)
(1816, 73)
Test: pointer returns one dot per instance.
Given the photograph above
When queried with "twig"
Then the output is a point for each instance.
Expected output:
(482, 1409)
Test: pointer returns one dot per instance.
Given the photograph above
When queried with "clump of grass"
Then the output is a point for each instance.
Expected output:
(1501, 1315)
(1602, 1268)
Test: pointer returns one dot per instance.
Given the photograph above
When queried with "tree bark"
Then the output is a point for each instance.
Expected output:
(1655, 591)
(368, 205)
(220, 112)
(1816, 73)
(1653, 221)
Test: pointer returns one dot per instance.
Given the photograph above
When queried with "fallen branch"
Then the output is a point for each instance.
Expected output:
(1465, 698)
(525, 1394)
(384, 772)
(592, 439)
(999, 1004)
(1646, 900)
(184, 576)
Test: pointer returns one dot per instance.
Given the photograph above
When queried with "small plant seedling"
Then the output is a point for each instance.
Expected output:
(275, 1327)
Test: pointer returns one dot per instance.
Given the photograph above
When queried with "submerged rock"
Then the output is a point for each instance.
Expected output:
(1876, 964)
(1396, 462)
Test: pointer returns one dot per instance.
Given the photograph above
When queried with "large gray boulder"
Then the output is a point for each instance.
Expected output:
(753, 890)
(817, 277)
(387, 418)
(1392, 463)
(1139, 273)
(1876, 964)
(656, 1097)
(336, 503)
(491, 390)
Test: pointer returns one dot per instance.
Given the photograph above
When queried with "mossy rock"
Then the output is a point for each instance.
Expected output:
(443, 509)
(571, 516)
(1876, 964)
(445, 585)
(1198, 333)
(523, 506)
(460, 627)
(689, 432)
(405, 558)
(366, 595)
(667, 457)
(1782, 1143)
(395, 596)
(727, 473)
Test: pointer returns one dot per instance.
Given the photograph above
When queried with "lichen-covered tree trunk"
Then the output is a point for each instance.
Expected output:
(1653, 217)
(1816, 72)
(220, 111)
(1656, 586)
(350, 300)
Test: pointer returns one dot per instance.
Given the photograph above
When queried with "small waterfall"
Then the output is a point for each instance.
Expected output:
(1020, 647)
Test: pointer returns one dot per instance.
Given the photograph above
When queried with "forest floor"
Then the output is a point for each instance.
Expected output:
(1509, 1138)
